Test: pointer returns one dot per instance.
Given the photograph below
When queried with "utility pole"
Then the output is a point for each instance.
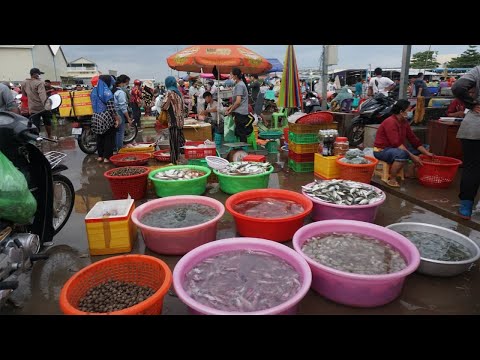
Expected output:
(407, 50)
(324, 77)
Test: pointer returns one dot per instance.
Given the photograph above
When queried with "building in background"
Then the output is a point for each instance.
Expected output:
(80, 71)
(17, 60)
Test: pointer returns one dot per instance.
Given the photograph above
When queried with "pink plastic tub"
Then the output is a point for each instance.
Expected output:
(326, 211)
(187, 262)
(181, 240)
(356, 289)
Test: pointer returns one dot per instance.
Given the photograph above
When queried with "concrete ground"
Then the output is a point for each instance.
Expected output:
(39, 292)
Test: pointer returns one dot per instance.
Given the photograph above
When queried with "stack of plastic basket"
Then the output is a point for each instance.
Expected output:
(303, 144)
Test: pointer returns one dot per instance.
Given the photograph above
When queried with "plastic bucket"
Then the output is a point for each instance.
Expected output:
(279, 229)
(177, 241)
(164, 188)
(234, 184)
(195, 256)
(326, 211)
(357, 289)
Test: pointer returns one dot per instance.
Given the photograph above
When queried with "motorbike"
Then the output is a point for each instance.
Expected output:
(87, 139)
(372, 111)
(22, 245)
(311, 103)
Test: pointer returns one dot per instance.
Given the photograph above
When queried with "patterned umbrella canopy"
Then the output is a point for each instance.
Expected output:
(203, 58)
(290, 96)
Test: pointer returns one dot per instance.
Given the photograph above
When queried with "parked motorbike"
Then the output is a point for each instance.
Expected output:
(87, 139)
(372, 111)
(311, 103)
(22, 245)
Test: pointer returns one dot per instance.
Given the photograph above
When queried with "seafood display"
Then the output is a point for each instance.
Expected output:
(183, 174)
(343, 192)
(243, 168)
(355, 156)
(354, 253)
(268, 208)
(179, 216)
(130, 158)
(139, 146)
(437, 247)
(243, 281)
(127, 171)
(113, 296)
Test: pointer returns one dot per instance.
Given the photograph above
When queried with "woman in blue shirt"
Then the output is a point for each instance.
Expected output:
(121, 107)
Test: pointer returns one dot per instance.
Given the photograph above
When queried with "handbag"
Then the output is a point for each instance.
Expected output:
(163, 117)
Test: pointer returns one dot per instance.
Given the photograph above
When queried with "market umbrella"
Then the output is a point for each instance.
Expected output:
(212, 76)
(203, 58)
(289, 96)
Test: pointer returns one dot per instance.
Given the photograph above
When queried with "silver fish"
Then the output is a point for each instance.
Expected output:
(343, 192)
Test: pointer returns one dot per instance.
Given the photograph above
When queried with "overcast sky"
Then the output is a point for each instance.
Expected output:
(149, 61)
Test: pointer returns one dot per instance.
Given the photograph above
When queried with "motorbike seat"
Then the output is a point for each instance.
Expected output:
(346, 105)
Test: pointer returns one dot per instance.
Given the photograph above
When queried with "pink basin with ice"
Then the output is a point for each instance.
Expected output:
(357, 289)
(197, 255)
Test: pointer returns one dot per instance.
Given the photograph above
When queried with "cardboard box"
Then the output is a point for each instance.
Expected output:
(197, 133)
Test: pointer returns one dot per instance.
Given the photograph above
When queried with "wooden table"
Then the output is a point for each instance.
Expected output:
(442, 137)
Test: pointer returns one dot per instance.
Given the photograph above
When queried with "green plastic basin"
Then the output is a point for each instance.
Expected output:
(164, 188)
(234, 184)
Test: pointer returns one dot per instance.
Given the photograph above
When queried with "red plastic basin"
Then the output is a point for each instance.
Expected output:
(279, 229)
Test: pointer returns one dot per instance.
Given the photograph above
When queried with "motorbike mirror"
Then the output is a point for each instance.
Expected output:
(53, 102)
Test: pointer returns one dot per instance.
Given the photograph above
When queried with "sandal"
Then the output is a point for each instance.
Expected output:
(106, 161)
(392, 183)
(99, 159)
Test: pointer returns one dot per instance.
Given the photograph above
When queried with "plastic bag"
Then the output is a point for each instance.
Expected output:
(229, 129)
(17, 203)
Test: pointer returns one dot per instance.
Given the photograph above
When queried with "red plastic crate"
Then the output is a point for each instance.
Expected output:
(199, 153)
(255, 158)
(301, 157)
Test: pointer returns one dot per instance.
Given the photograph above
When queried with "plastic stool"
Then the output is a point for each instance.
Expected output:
(278, 115)
(384, 171)
(218, 139)
(272, 147)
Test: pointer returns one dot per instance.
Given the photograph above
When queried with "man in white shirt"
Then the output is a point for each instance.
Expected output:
(331, 86)
(213, 113)
(380, 84)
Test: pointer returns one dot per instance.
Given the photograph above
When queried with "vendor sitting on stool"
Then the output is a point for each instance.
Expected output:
(390, 139)
(212, 114)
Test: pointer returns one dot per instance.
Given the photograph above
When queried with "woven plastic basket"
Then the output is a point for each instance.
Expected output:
(142, 270)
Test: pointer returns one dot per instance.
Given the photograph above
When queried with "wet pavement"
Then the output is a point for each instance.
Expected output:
(441, 201)
(39, 292)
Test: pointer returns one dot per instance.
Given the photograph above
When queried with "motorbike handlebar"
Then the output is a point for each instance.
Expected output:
(36, 257)
(8, 285)
(29, 136)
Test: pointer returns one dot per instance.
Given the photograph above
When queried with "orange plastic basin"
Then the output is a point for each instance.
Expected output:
(278, 229)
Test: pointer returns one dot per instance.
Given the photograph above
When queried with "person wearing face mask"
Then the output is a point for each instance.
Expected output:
(105, 119)
(121, 106)
(389, 145)
(239, 109)
(34, 89)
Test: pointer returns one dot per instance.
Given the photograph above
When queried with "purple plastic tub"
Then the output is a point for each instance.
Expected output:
(357, 289)
(178, 241)
(187, 262)
(326, 211)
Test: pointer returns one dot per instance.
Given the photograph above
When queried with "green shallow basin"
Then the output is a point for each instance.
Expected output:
(234, 184)
(164, 188)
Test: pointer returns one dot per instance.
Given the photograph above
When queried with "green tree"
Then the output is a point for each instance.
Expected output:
(469, 58)
(424, 60)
